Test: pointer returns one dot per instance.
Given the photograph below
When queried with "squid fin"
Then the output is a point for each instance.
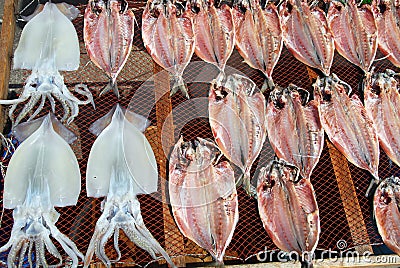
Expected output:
(47, 155)
(49, 36)
(23, 130)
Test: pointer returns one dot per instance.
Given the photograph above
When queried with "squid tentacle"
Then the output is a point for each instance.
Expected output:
(41, 105)
(22, 253)
(28, 107)
(60, 97)
(116, 247)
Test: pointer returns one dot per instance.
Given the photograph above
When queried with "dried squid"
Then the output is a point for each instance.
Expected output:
(387, 212)
(214, 31)
(121, 166)
(287, 114)
(108, 34)
(288, 209)
(347, 124)
(387, 13)
(168, 35)
(48, 44)
(238, 122)
(43, 174)
(381, 100)
(259, 38)
(203, 196)
(307, 35)
(355, 32)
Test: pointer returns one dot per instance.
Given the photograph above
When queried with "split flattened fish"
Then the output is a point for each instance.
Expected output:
(215, 33)
(168, 35)
(306, 34)
(381, 100)
(259, 38)
(48, 44)
(108, 34)
(43, 174)
(347, 124)
(203, 196)
(288, 209)
(387, 13)
(238, 122)
(121, 165)
(294, 130)
(387, 212)
(355, 32)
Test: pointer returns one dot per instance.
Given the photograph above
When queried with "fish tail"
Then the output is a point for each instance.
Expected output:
(179, 84)
(245, 180)
(268, 85)
(112, 85)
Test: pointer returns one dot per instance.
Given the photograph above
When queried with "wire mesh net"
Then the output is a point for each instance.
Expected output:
(136, 85)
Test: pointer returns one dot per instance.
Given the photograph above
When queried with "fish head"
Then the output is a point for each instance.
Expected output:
(388, 192)
(299, 94)
(278, 172)
(278, 97)
(97, 6)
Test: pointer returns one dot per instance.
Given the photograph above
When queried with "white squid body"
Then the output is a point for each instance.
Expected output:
(43, 173)
(121, 165)
(48, 44)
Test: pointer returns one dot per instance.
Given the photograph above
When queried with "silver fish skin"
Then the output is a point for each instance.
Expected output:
(259, 38)
(294, 129)
(214, 33)
(203, 196)
(387, 212)
(347, 124)
(108, 34)
(355, 32)
(288, 209)
(237, 115)
(387, 13)
(381, 100)
(168, 35)
(307, 35)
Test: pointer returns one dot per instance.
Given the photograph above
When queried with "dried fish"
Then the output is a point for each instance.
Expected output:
(288, 209)
(214, 31)
(387, 13)
(259, 37)
(108, 34)
(381, 100)
(347, 124)
(387, 212)
(287, 114)
(168, 35)
(355, 32)
(307, 35)
(203, 196)
(238, 122)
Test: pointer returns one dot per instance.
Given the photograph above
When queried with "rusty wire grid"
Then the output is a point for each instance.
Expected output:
(190, 121)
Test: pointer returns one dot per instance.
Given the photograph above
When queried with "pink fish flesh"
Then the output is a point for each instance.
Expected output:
(259, 37)
(203, 196)
(168, 35)
(238, 122)
(288, 209)
(108, 35)
(287, 114)
(306, 34)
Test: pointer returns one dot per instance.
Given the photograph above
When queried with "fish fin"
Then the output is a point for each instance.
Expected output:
(35, 48)
(112, 85)
(180, 85)
(46, 156)
(23, 130)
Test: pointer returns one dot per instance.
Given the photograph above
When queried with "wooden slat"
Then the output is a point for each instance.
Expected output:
(165, 128)
(348, 194)
(6, 50)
